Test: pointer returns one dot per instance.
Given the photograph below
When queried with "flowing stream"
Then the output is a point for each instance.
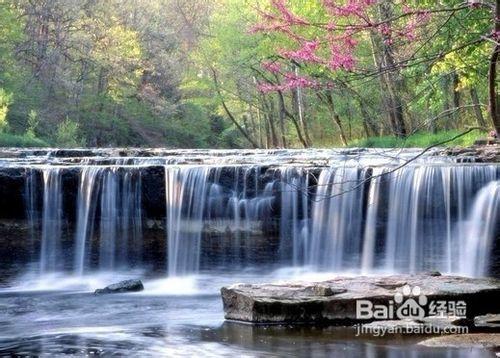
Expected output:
(187, 222)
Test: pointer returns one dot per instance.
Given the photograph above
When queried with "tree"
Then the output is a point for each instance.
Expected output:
(328, 39)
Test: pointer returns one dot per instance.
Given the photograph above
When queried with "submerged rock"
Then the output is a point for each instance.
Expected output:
(473, 340)
(335, 301)
(123, 286)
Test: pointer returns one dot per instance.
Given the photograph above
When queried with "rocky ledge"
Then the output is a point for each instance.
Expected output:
(475, 154)
(341, 299)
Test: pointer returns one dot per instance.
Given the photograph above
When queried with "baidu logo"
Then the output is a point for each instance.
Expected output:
(410, 303)
(413, 306)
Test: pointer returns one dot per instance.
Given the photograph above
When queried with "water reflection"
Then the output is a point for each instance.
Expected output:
(78, 324)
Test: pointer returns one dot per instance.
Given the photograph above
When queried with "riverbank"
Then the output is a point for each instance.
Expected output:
(420, 140)
(417, 140)
(21, 141)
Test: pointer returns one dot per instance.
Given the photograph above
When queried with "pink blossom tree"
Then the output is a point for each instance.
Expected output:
(331, 44)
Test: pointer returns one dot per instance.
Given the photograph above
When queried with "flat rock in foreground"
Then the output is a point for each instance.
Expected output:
(334, 301)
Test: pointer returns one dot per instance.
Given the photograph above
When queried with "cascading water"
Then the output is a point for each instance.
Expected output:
(347, 214)
(337, 219)
(186, 189)
(372, 212)
(426, 206)
(294, 223)
(31, 206)
(88, 186)
(50, 252)
(120, 221)
(477, 239)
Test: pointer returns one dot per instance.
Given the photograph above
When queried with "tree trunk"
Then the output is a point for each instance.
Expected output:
(282, 116)
(292, 118)
(298, 102)
(335, 116)
(392, 76)
(456, 100)
(493, 94)
(446, 102)
(228, 112)
(272, 138)
(477, 108)
(386, 102)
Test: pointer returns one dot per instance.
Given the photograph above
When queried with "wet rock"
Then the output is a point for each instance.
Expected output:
(390, 285)
(335, 301)
(480, 153)
(326, 291)
(12, 191)
(473, 340)
(120, 287)
(153, 191)
(487, 321)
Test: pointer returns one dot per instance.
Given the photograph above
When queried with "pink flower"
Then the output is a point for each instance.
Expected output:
(385, 29)
(305, 53)
(293, 81)
(288, 16)
(273, 67)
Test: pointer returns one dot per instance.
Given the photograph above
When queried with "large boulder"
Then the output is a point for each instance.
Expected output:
(120, 287)
(335, 301)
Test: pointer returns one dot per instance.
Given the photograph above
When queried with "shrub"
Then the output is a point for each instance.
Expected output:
(5, 102)
(67, 134)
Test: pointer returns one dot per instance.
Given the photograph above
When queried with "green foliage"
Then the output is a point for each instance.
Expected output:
(5, 101)
(419, 140)
(33, 122)
(67, 134)
(92, 74)
(24, 141)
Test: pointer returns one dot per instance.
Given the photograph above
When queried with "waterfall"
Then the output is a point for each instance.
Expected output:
(483, 222)
(294, 223)
(109, 215)
(336, 219)
(354, 215)
(372, 211)
(119, 221)
(87, 191)
(32, 215)
(129, 223)
(426, 206)
(50, 252)
(186, 189)
(405, 221)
